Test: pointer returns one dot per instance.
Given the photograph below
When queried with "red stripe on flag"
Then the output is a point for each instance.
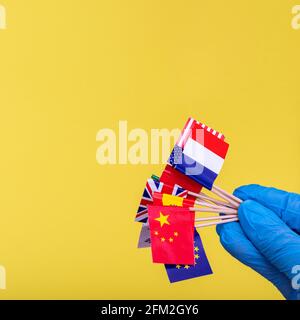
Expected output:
(188, 203)
(172, 176)
(219, 135)
(211, 142)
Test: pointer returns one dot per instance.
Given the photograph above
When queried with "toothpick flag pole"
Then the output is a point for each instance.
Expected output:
(209, 205)
(202, 196)
(227, 194)
(225, 211)
(217, 218)
(215, 223)
(234, 203)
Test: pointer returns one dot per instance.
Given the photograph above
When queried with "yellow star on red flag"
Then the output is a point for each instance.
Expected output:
(162, 219)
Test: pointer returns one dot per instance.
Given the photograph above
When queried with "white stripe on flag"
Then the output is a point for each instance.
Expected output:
(143, 216)
(153, 186)
(202, 155)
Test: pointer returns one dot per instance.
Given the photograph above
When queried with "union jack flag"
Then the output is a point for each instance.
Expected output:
(147, 198)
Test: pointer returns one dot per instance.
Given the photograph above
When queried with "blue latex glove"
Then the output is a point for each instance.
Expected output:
(266, 238)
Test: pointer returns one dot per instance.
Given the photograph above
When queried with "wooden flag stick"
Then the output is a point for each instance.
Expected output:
(209, 205)
(219, 202)
(231, 196)
(225, 211)
(215, 223)
(225, 197)
(216, 217)
(205, 197)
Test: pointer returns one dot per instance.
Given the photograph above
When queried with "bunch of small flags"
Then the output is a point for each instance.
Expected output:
(170, 202)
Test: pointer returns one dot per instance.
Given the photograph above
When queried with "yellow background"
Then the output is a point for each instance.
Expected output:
(71, 67)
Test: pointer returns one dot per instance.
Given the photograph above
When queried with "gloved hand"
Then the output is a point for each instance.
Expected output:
(266, 238)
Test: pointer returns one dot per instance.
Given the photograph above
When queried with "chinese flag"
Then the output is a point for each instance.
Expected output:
(172, 234)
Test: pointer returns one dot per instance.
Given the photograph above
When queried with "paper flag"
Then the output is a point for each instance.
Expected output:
(183, 272)
(200, 157)
(172, 176)
(172, 234)
(144, 240)
(155, 186)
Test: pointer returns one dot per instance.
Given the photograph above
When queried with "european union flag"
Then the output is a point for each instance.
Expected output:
(184, 272)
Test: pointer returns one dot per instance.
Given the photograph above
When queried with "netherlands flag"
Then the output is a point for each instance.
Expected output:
(199, 154)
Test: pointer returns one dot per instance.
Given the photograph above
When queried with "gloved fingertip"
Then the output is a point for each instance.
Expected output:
(219, 229)
(247, 191)
(225, 227)
(250, 211)
(228, 234)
